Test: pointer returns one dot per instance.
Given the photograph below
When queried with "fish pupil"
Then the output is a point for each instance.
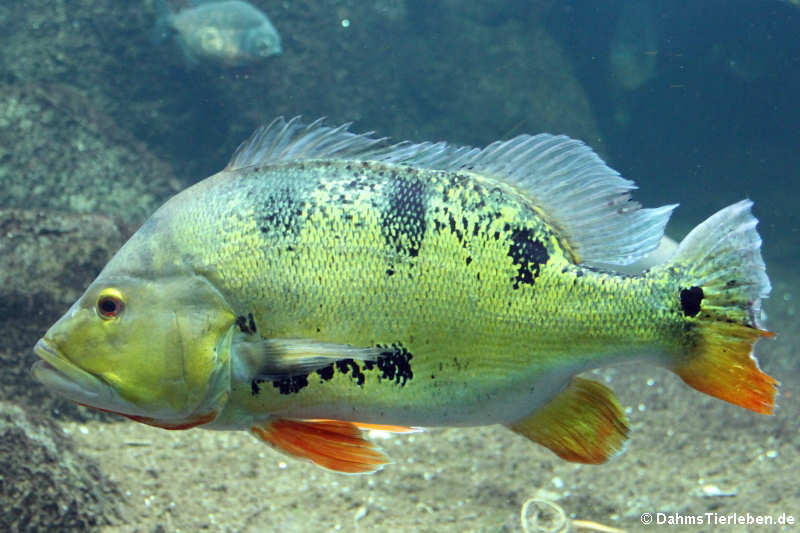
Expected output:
(108, 306)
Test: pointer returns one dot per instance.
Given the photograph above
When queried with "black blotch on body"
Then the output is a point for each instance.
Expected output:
(528, 253)
(403, 217)
(394, 364)
(454, 228)
(292, 384)
(288, 385)
(246, 324)
(690, 300)
(326, 372)
(345, 365)
(280, 212)
(444, 219)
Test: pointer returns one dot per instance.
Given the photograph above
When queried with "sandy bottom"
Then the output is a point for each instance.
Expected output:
(688, 455)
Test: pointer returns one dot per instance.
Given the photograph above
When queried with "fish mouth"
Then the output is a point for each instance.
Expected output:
(61, 375)
(57, 373)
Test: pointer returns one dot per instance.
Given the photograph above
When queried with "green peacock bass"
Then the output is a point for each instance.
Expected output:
(326, 282)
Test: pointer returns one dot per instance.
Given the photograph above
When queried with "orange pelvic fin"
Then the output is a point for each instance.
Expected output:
(722, 365)
(191, 422)
(584, 423)
(332, 444)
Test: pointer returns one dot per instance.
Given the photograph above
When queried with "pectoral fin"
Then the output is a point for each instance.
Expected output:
(275, 359)
(584, 423)
(332, 444)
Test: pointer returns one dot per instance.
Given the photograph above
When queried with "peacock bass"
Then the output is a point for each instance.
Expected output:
(326, 282)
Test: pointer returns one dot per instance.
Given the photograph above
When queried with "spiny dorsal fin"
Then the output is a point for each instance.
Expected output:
(588, 201)
(283, 141)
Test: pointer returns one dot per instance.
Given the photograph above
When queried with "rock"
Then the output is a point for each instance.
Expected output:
(47, 258)
(464, 72)
(74, 186)
(59, 152)
(458, 72)
(45, 485)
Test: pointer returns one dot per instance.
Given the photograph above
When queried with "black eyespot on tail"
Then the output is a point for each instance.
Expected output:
(690, 300)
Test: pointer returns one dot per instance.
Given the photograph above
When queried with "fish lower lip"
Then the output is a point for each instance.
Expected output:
(51, 377)
(55, 371)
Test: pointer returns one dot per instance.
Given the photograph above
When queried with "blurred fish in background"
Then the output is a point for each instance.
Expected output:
(633, 53)
(221, 33)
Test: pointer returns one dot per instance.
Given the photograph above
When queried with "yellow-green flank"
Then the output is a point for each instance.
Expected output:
(326, 282)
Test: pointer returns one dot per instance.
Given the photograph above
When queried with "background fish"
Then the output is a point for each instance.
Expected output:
(226, 33)
(324, 283)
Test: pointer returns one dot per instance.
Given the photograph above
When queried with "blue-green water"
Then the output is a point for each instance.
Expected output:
(101, 120)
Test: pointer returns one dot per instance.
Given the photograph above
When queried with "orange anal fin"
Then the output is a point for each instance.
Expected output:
(382, 427)
(723, 366)
(584, 423)
(332, 444)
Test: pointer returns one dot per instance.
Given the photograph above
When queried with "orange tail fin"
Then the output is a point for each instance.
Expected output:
(723, 280)
(723, 366)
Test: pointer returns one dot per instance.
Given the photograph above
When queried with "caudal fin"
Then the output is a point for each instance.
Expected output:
(725, 280)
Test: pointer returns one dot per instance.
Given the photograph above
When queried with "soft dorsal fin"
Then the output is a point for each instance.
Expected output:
(588, 201)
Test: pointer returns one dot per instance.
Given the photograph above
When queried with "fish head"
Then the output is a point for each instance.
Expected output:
(153, 348)
(212, 42)
(262, 42)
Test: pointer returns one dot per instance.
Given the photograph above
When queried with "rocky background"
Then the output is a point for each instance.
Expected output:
(99, 125)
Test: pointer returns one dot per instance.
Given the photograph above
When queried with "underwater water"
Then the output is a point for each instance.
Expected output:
(109, 108)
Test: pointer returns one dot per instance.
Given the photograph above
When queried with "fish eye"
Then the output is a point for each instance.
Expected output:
(261, 47)
(110, 304)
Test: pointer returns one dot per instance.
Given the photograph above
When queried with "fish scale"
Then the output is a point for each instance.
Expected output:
(335, 284)
(325, 282)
